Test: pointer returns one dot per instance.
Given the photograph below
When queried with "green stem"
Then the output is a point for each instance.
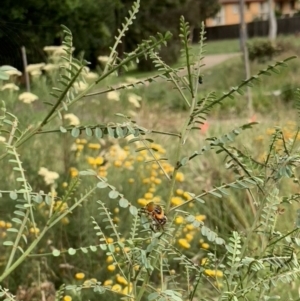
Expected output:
(16, 243)
(8, 271)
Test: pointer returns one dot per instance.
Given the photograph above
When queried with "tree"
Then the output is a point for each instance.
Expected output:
(162, 15)
(272, 21)
(35, 24)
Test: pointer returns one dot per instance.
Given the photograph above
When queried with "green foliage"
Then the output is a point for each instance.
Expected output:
(262, 50)
(148, 250)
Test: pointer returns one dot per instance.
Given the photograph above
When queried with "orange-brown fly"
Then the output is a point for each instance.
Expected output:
(155, 213)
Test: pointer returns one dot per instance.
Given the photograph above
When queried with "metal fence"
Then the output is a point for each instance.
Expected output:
(254, 29)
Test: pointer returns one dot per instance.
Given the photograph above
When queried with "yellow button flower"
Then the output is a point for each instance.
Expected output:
(109, 259)
(121, 279)
(111, 267)
(79, 276)
(67, 298)
(8, 225)
(176, 200)
(184, 243)
(94, 146)
(108, 282)
(116, 288)
(200, 217)
(157, 181)
(179, 220)
(205, 245)
(142, 202)
(189, 237)
(148, 195)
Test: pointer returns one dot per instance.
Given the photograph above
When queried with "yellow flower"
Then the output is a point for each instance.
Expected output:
(128, 164)
(148, 196)
(79, 147)
(79, 276)
(155, 166)
(190, 227)
(116, 288)
(142, 201)
(179, 220)
(109, 259)
(209, 272)
(146, 181)
(205, 245)
(118, 163)
(200, 217)
(127, 290)
(189, 237)
(179, 177)
(270, 131)
(176, 200)
(8, 225)
(99, 160)
(117, 210)
(157, 181)
(73, 172)
(65, 220)
(136, 267)
(139, 158)
(121, 279)
(64, 184)
(67, 298)
(130, 180)
(187, 196)
(33, 230)
(204, 261)
(2, 224)
(111, 267)
(110, 240)
(94, 146)
(108, 282)
(126, 249)
(184, 243)
(179, 191)
(213, 273)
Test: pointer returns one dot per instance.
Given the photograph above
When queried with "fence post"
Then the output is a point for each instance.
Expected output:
(24, 58)
(243, 37)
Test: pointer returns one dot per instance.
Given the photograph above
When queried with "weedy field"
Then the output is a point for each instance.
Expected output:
(121, 187)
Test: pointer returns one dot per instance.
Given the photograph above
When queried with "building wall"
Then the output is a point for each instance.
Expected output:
(229, 13)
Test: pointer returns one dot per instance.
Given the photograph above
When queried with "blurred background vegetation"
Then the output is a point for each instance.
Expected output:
(35, 24)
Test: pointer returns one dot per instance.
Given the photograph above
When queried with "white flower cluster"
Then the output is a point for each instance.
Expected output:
(49, 176)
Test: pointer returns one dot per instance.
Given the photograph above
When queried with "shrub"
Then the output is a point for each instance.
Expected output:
(262, 49)
(102, 225)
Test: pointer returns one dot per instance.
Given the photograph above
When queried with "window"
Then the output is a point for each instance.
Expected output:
(235, 8)
(219, 17)
(264, 10)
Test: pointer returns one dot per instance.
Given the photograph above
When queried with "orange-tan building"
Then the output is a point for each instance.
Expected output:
(254, 10)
